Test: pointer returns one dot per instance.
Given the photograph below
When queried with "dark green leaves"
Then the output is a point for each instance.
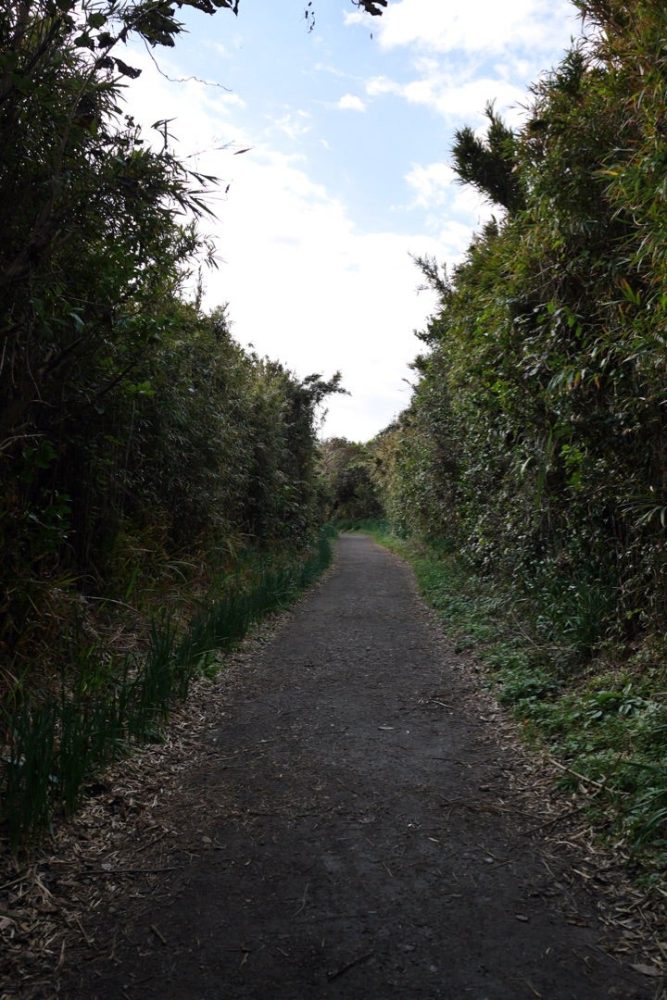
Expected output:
(373, 7)
(490, 164)
(126, 70)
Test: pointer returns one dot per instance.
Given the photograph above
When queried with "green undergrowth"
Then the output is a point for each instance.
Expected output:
(56, 745)
(603, 719)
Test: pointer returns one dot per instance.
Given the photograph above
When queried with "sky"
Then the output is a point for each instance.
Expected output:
(347, 129)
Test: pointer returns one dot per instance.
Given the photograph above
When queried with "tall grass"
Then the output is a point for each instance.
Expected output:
(56, 745)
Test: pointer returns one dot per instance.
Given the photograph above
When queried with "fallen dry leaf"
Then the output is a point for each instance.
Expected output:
(647, 970)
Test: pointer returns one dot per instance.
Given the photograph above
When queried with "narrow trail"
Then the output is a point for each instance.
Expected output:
(364, 843)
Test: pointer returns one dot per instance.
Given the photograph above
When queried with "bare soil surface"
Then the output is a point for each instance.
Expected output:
(348, 829)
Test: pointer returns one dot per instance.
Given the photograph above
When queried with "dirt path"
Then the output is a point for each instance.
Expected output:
(361, 840)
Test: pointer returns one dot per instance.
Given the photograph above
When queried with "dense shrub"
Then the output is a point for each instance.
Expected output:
(536, 439)
(138, 441)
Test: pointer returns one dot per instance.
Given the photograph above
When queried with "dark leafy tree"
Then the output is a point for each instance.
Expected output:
(490, 164)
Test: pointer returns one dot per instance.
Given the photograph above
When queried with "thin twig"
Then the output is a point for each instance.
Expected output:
(151, 843)
(561, 816)
(303, 900)
(158, 934)
(350, 965)
(184, 79)
(127, 871)
(577, 774)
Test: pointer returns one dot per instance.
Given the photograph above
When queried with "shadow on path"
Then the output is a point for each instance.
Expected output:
(362, 838)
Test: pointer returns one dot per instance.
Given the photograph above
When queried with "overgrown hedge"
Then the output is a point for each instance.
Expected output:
(536, 443)
(141, 449)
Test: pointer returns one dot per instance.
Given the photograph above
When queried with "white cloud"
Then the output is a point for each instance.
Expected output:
(293, 124)
(450, 96)
(432, 185)
(475, 26)
(480, 51)
(452, 239)
(350, 102)
(321, 67)
(231, 100)
(305, 285)
(219, 49)
(378, 85)
(355, 17)
(469, 204)
(436, 189)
